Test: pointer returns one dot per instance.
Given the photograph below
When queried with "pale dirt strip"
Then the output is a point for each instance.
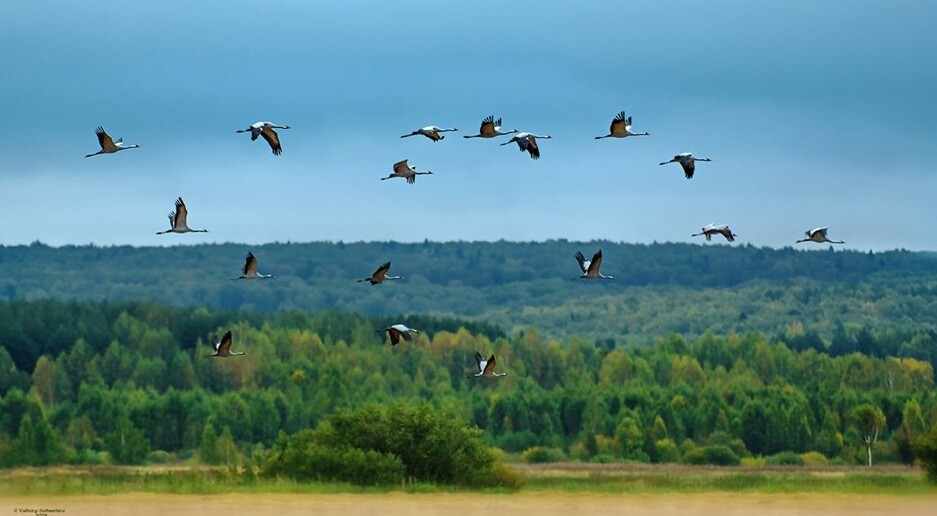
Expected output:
(521, 504)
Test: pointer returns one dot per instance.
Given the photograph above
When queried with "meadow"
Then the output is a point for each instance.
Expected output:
(546, 489)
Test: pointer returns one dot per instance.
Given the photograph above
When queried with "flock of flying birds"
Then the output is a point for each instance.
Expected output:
(490, 128)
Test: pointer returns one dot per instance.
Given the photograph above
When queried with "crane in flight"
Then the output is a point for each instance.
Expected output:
(108, 145)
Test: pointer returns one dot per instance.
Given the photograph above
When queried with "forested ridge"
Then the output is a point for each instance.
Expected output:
(129, 383)
(659, 288)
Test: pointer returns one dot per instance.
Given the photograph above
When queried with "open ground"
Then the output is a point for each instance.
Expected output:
(426, 504)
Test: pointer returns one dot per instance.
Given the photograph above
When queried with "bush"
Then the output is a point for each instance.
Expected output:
(718, 455)
(160, 457)
(666, 450)
(539, 454)
(925, 448)
(505, 476)
(384, 445)
(785, 458)
(603, 458)
(814, 459)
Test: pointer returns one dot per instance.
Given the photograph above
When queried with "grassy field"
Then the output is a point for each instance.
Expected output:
(536, 478)
(547, 489)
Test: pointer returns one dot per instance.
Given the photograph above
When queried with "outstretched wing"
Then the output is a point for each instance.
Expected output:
(401, 167)
(726, 232)
(583, 264)
(103, 138)
(381, 272)
(532, 147)
(250, 264)
(181, 213)
(488, 126)
(618, 125)
(394, 334)
(595, 263)
(479, 362)
(225, 345)
(489, 366)
(273, 139)
(689, 166)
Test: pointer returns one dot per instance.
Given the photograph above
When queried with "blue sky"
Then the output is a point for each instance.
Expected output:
(815, 114)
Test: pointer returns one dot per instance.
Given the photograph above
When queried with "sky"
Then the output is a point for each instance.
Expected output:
(814, 114)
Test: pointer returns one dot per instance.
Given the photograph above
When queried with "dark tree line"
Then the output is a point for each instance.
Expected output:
(128, 383)
(660, 288)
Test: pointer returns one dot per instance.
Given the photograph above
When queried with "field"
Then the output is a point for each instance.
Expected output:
(525, 503)
(548, 489)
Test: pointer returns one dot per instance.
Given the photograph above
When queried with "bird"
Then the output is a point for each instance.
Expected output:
(713, 229)
(486, 368)
(380, 275)
(818, 235)
(401, 169)
(590, 269)
(266, 129)
(223, 347)
(490, 128)
(177, 222)
(620, 128)
(108, 145)
(431, 132)
(398, 331)
(528, 142)
(687, 161)
(250, 269)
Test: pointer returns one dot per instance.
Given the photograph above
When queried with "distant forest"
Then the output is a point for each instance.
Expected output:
(659, 288)
(130, 383)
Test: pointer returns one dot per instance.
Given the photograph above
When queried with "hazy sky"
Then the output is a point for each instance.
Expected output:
(814, 113)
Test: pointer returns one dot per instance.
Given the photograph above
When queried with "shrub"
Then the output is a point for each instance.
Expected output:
(603, 458)
(785, 458)
(160, 457)
(666, 450)
(814, 459)
(925, 448)
(539, 454)
(718, 455)
(505, 476)
(383, 445)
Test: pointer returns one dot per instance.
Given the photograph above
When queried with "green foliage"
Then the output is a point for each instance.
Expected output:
(666, 450)
(716, 455)
(126, 443)
(787, 458)
(806, 297)
(301, 457)
(540, 454)
(814, 459)
(925, 448)
(869, 421)
(136, 370)
(380, 445)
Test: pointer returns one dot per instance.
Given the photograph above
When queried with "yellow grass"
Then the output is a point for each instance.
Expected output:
(520, 504)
